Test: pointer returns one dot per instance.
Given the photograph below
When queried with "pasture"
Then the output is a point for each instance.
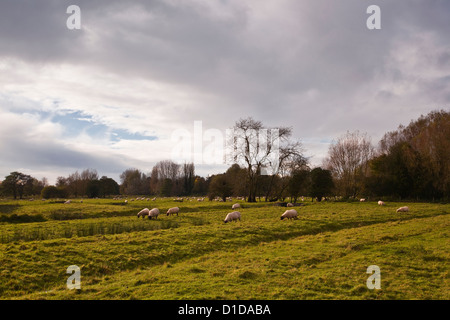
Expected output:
(322, 255)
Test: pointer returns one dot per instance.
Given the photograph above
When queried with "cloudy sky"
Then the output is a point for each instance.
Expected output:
(111, 95)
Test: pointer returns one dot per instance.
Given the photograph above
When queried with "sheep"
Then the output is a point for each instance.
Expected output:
(153, 199)
(402, 209)
(289, 205)
(173, 211)
(235, 206)
(289, 214)
(153, 213)
(126, 201)
(143, 212)
(233, 216)
(67, 202)
(380, 203)
(362, 200)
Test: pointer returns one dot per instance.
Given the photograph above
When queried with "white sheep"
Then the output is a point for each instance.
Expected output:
(235, 206)
(289, 205)
(380, 203)
(233, 216)
(153, 213)
(403, 209)
(362, 200)
(153, 199)
(289, 214)
(67, 202)
(173, 211)
(143, 212)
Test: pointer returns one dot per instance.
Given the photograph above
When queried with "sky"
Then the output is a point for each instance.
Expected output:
(116, 93)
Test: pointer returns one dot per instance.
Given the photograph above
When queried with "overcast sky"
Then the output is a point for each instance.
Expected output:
(111, 95)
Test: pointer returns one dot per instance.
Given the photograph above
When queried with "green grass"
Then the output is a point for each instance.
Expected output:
(322, 255)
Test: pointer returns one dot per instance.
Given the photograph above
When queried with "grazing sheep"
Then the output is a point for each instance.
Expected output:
(403, 209)
(173, 211)
(126, 201)
(289, 205)
(233, 216)
(362, 200)
(143, 212)
(67, 202)
(380, 203)
(289, 214)
(235, 206)
(153, 213)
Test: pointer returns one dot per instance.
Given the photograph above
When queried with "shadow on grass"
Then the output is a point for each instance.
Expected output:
(8, 208)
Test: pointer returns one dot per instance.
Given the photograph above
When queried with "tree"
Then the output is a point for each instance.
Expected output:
(261, 150)
(108, 186)
(299, 183)
(200, 186)
(348, 160)
(237, 178)
(220, 186)
(321, 183)
(134, 182)
(166, 187)
(414, 161)
(15, 183)
(188, 176)
(167, 169)
(50, 192)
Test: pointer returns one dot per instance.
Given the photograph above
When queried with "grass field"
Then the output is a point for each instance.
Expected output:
(322, 255)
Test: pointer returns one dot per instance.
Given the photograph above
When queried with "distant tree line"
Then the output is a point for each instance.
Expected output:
(412, 162)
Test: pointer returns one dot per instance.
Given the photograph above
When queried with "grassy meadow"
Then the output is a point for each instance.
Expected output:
(322, 255)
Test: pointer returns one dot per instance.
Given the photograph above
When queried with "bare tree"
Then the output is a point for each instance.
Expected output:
(348, 161)
(168, 169)
(261, 150)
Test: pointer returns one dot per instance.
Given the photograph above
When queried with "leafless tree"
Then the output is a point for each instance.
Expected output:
(261, 150)
(348, 161)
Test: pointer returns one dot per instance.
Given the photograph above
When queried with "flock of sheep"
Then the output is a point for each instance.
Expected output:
(232, 216)
(154, 213)
(236, 215)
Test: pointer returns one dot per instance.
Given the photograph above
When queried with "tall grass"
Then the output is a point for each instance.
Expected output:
(80, 229)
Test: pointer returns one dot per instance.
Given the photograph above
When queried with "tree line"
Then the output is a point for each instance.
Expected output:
(412, 162)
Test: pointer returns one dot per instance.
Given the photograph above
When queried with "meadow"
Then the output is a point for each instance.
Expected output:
(322, 255)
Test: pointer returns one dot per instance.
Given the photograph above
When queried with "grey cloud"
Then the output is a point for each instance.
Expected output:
(247, 62)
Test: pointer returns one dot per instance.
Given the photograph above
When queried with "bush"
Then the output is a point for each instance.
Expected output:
(53, 192)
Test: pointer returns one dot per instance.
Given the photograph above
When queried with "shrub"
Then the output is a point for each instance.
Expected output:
(53, 192)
